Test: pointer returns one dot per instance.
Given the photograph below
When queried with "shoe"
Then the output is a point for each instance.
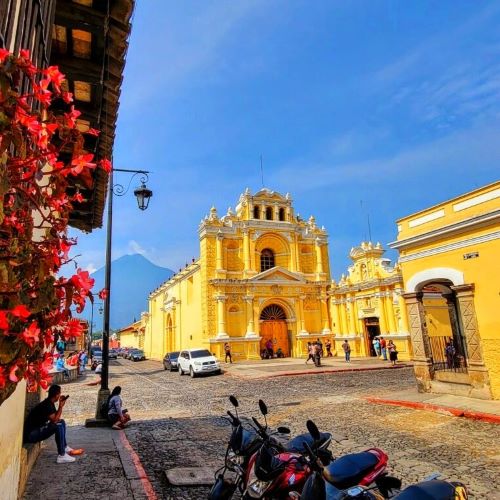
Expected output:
(68, 449)
(65, 459)
(117, 427)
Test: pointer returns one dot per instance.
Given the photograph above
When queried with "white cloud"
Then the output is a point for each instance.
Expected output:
(134, 247)
(90, 268)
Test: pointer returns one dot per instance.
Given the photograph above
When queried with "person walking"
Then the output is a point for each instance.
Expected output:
(317, 354)
(376, 346)
(320, 345)
(393, 353)
(347, 351)
(383, 348)
(328, 346)
(227, 350)
(310, 355)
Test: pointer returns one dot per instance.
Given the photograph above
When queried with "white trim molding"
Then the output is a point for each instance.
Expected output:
(426, 218)
(451, 246)
(477, 200)
(434, 274)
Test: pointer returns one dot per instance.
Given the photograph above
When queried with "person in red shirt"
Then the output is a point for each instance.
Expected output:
(383, 348)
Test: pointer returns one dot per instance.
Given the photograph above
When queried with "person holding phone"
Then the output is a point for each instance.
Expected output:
(44, 420)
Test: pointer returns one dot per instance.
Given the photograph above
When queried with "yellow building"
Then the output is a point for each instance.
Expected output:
(133, 335)
(449, 257)
(263, 274)
(368, 303)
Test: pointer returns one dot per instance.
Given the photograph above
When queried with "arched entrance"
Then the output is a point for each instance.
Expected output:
(447, 345)
(170, 334)
(273, 327)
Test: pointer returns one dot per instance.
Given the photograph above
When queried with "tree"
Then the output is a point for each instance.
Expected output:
(34, 211)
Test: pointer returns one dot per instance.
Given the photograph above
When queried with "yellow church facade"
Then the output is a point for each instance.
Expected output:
(368, 303)
(263, 275)
(449, 259)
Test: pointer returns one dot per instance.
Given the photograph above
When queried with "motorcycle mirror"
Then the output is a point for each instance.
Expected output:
(313, 430)
(283, 430)
(234, 401)
(263, 407)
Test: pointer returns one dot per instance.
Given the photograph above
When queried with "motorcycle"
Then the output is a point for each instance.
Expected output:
(276, 474)
(319, 487)
(325, 482)
(277, 471)
(243, 444)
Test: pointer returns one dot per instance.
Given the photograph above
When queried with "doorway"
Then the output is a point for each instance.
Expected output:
(372, 329)
(274, 328)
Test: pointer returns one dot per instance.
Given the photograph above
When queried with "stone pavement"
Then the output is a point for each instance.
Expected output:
(256, 369)
(177, 422)
(108, 469)
(459, 406)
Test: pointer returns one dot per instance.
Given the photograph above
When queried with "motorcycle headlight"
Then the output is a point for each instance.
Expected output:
(234, 461)
(256, 488)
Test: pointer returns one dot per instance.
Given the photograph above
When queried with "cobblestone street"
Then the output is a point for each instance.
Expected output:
(177, 422)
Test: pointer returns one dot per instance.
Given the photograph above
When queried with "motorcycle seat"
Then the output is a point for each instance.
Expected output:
(297, 443)
(431, 490)
(350, 469)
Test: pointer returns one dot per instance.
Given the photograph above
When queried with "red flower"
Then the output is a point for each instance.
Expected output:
(78, 197)
(12, 373)
(3, 55)
(3, 377)
(45, 134)
(24, 53)
(55, 76)
(71, 117)
(29, 121)
(106, 165)
(21, 312)
(83, 281)
(103, 294)
(4, 322)
(93, 131)
(80, 162)
(31, 335)
(74, 328)
(67, 97)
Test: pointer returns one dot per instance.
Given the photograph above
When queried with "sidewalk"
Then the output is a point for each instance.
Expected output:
(109, 469)
(459, 406)
(268, 368)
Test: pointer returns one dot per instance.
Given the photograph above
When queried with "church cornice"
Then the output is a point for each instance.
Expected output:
(373, 283)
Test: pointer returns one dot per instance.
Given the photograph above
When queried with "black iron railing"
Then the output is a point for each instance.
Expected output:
(448, 354)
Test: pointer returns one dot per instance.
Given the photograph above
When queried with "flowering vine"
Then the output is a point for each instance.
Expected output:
(41, 154)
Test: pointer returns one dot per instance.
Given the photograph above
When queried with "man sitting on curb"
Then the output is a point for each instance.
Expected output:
(44, 420)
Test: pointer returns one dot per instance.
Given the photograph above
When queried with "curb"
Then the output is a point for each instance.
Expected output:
(448, 410)
(317, 372)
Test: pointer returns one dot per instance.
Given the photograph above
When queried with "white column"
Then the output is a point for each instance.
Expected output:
(250, 317)
(221, 316)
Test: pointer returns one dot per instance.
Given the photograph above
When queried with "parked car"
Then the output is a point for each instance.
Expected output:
(137, 355)
(96, 355)
(113, 354)
(170, 361)
(197, 361)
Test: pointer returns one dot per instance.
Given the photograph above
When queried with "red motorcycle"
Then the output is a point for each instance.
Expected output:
(274, 473)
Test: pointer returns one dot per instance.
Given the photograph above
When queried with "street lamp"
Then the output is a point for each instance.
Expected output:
(143, 195)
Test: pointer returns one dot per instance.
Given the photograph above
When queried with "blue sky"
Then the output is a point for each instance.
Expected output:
(393, 103)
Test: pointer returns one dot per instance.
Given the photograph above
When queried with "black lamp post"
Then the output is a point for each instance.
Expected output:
(143, 195)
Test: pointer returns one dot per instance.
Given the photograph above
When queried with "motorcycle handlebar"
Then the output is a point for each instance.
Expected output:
(235, 420)
(259, 426)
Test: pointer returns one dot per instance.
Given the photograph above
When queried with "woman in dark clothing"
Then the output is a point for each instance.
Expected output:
(393, 353)
(117, 416)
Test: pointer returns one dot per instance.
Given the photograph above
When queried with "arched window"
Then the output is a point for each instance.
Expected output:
(282, 214)
(266, 259)
(269, 213)
(256, 212)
